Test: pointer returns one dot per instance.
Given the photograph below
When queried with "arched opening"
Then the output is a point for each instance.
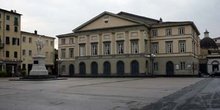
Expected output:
(71, 70)
(169, 68)
(134, 68)
(106, 68)
(94, 68)
(82, 68)
(215, 66)
(120, 68)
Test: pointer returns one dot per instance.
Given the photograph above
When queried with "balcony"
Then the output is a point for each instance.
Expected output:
(1, 45)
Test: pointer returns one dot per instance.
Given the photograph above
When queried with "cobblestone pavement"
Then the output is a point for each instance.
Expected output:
(99, 93)
(204, 95)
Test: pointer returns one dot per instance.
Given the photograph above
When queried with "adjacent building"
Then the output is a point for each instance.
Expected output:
(10, 43)
(29, 49)
(210, 54)
(125, 44)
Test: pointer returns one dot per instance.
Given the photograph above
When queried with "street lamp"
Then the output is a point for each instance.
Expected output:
(152, 56)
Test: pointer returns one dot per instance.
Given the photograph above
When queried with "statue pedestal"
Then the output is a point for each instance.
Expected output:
(38, 68)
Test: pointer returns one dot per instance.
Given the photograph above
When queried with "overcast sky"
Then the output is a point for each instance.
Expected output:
(54, 17)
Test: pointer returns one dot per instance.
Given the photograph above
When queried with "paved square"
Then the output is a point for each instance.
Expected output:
(88, 93)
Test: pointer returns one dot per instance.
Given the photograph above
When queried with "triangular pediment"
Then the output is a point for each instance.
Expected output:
(107, 20)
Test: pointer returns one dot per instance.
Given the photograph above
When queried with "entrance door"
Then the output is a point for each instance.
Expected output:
(71, 70)
(107, 68)
(169, 68)
(120, 68)
(82, 68)
(94, 68)
(134, 68)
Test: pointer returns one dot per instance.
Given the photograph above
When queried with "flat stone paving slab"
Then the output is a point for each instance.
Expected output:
(89, 93)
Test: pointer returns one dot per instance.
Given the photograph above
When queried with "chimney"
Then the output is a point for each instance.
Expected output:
(35, 31)
(206, 33)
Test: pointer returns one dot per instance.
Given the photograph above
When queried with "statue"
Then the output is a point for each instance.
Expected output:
(39, 44)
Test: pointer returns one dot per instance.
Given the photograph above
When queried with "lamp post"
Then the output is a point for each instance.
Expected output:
(152, 56)
(59, 66)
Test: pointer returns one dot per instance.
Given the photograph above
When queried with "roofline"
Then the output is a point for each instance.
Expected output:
(12, 11)
(186, 23)
(137, 16)
(36, 34)
(105, 12)
(64, 35)
(110, 28)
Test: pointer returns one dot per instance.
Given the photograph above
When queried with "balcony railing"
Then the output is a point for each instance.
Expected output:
(1, 45)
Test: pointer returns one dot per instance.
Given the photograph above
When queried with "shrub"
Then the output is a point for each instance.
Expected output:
(23, 72)
(3, 73)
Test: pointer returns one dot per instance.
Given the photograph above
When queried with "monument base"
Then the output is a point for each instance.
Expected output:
(38, 66)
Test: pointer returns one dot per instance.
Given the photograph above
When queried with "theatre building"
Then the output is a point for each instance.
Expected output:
(125, 44)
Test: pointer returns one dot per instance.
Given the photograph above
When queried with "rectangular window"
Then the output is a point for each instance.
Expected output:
(23, 66)
(15, 54)
(8, 27)
(134, 47)
(30, 40)
(63, 53)
(94, 49)
(23, 52)
(47, 54)
(107, 48)
(71, 52)
(120, 47)
(181, 31)
(47, 43)
(154, 33)
(16, 29)
(169, 47)
(51, 55)
(16, 21)
(30, 52)
(182, 46)
(71, 41)
(155, 48)
(182, 65)
(7, 54)
(14, 41)
(155, 66)
(168, 31)
(7, 40)
(63, 41)
(82, 50)
(145, 46)
(51, 43)
(24, 39)
(7, 17)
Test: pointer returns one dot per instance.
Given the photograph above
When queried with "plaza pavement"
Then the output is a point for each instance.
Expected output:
(100, 93)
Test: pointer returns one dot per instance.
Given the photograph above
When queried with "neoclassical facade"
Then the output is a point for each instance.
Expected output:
(125, 44)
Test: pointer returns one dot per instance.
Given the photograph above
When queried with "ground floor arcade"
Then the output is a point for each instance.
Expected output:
(129, 66)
